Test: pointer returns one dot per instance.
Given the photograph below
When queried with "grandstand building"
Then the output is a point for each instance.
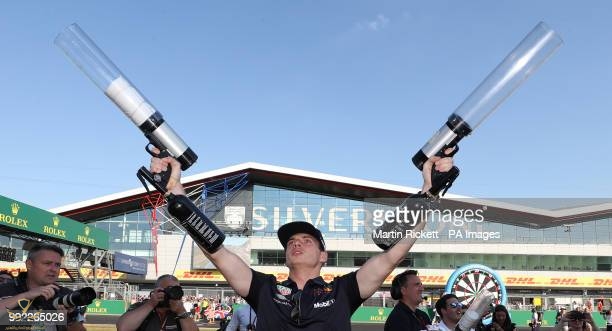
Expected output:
(545, 255)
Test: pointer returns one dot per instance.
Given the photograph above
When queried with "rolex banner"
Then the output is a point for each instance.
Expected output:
(106, 307)
(22, 217)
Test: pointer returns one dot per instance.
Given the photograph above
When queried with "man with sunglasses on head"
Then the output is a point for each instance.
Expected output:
(407, 288)
(305, 301)
(450, 310)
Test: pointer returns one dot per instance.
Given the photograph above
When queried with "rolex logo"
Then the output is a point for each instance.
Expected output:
(86, 231)
(381, 311)
(97, 303)
(55, 221)
(15, 208)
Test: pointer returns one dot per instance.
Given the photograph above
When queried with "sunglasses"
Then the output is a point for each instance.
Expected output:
(455, 304)
(295, 312)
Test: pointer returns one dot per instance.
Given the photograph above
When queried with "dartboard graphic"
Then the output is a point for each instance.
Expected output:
(470, 279)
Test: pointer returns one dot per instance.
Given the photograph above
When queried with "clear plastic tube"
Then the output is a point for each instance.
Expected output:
(523, 61)
(86, 55)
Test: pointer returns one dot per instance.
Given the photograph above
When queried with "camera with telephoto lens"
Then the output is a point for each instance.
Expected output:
(82, 297)
(171, 293)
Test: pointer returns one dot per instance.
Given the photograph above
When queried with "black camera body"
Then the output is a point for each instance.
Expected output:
(171, 293)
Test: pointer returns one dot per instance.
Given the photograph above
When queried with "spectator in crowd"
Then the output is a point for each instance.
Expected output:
(501, 320)
(244, 319)
(408, 289)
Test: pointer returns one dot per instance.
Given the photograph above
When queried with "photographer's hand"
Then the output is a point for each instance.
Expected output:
(177, 307)
(155, 297)
(47, 292)
(187, 323)
(133, 318)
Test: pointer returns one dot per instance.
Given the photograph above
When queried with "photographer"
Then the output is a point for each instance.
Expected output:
(163, 311)
(38, 284)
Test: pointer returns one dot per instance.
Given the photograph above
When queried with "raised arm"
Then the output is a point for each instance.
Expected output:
(237, 273)
(233, 268)
(373, 273)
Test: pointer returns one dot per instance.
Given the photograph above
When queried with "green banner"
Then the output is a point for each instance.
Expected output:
(521, 318)
(23, 217)
(371, 315)
(106, 307)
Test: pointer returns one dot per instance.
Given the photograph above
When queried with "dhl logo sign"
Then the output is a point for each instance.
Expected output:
(433, 279)
(200, 275)
(602, 282)
(559, 281)
(520, 281)
(564, 281)
(427, 279)
(88, 273)
(215, 276)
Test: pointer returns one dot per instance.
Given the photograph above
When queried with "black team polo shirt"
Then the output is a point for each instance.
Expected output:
(318, 306)
(403, 318)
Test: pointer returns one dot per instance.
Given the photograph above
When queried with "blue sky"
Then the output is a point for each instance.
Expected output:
(351, 88)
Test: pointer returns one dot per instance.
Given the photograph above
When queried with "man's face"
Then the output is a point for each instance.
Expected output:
(452, 311)
(303, 249)
(165, 301)
(44, 267)
(412, 291)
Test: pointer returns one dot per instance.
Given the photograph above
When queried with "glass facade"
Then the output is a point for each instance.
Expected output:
(343, 218)
(20, 253)
(339, 217)
(131, 233)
